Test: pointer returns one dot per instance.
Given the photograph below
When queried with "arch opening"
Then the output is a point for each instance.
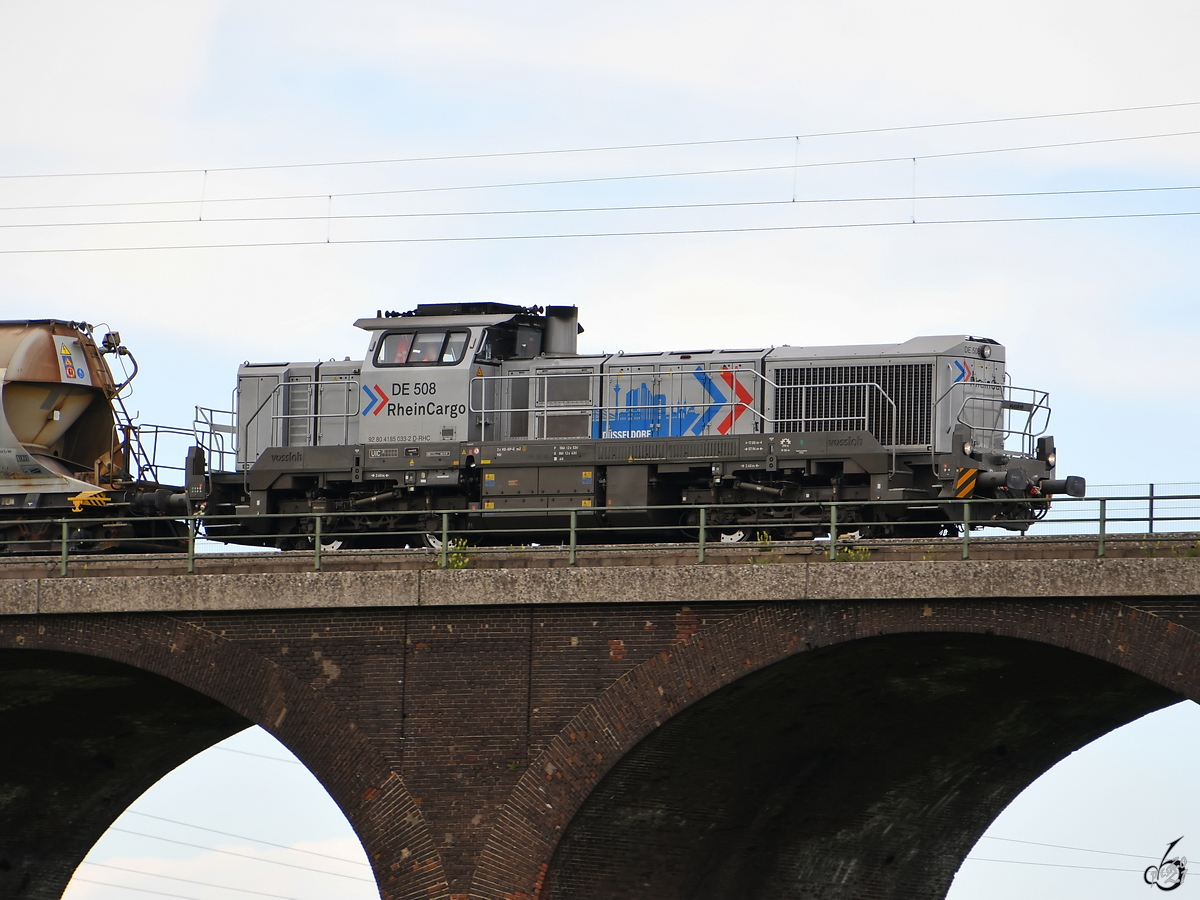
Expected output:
(83, 738)
(863, 769)
(244, 816)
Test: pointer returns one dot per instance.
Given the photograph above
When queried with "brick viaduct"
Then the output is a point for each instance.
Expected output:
(720, 732)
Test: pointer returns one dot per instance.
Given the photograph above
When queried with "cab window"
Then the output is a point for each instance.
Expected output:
(456, 346)
(426, 347)
(393, 350)
(408, 348)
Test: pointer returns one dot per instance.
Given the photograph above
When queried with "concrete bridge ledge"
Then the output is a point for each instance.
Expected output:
(206, 593)
(681, 584)
(19, 597)
(1007, 578)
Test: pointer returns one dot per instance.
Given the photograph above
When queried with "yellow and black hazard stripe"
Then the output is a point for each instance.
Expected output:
(964, 486)
(88, 498)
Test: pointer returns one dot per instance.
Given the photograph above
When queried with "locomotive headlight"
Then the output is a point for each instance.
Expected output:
(967, 447)
(1046, 452)
(986, 351)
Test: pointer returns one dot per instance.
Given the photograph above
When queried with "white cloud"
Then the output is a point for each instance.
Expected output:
(97, 82)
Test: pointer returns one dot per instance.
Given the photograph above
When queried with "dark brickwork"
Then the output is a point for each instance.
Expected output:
(462, 742)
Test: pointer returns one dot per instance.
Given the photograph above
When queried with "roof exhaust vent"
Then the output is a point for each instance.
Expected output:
(562, 331)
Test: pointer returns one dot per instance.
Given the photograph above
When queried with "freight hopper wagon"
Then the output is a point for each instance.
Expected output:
(490, 412)
(68, 451)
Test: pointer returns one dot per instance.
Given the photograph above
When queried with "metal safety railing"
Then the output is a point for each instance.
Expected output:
(996, 410)
(614, 421)
(453, 538)
(215, 432)
(316, 387)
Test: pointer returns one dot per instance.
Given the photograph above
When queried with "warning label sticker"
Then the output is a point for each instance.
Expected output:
(71, 363)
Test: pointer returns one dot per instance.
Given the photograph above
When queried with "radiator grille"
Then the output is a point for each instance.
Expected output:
(843, 398)
(607, 451)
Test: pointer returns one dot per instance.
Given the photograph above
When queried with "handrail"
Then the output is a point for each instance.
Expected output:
(314, 414)
(68, 537)
(1040, 400)
(606, 415)
(210, 435)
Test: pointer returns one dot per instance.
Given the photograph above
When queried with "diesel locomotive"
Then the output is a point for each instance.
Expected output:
(489, 411)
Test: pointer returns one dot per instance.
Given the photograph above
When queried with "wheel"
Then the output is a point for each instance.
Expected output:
(82, 540)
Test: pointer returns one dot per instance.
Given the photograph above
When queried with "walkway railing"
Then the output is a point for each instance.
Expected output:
(446, 537)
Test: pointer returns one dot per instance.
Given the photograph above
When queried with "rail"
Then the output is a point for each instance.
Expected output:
(832, 532)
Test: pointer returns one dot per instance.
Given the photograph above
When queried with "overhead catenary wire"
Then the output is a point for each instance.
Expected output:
(606, 148)
(989, 837)
(222, 887)
(594, 209)
(125, 887)
(1023, 862)
(741, 170)
(291, 762)
(242, 837)
(600, 234)
(272, 862)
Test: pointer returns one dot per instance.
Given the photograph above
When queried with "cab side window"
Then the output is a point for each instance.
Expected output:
(427, 347)
(409, 348)
(393, 350)
(456, 346)
(508, 342)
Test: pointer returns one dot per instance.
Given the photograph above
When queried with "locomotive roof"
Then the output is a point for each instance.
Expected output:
(926, 345)
(443, 315)
(392, 322)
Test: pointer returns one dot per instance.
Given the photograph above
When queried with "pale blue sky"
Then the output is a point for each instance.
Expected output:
(1101, 313)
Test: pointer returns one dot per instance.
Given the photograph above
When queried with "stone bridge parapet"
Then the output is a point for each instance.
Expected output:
(566, 733)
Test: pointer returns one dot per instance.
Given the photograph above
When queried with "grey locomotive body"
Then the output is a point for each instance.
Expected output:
(480, 408)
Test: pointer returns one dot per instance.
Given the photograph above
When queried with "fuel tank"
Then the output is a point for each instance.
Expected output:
(57, 428)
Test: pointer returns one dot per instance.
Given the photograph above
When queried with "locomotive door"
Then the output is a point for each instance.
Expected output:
(299, 411)
(738, 384)
(338, 403)
(710, 398)
(486, 401)
(565, 399)
(637, 409)
(515, 401)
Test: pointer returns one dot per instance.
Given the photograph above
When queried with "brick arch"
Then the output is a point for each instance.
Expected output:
(370, 794)
(515, 860)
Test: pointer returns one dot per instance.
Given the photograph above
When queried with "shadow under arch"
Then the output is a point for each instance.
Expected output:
(206, 671)
(84, 737)
(541, 809)
(865, 769)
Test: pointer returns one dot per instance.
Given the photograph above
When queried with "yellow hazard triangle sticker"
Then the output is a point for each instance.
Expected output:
(479, 372)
